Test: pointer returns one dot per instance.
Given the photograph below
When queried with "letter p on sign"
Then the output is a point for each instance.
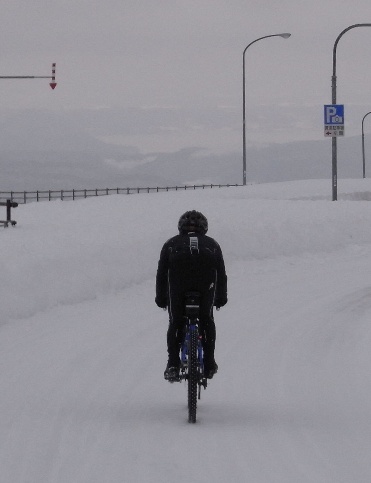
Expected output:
(334, 114)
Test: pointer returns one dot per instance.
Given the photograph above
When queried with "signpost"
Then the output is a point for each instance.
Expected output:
(334, 128)
(334, 120)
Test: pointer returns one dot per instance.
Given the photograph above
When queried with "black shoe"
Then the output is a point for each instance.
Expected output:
(210, 370)
(171, 373)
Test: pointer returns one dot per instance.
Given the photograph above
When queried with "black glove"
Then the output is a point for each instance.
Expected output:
(161, 302)
(220, 302)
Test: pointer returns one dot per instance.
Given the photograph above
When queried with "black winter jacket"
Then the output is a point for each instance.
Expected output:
(190, 262)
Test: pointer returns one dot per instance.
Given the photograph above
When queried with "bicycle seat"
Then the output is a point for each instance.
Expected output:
(192, 303)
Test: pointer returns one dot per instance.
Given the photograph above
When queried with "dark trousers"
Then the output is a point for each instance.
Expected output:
(177, 321)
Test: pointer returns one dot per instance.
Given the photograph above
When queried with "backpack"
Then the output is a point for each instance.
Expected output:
(193, 256)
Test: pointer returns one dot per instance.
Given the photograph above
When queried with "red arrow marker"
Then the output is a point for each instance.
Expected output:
(53, 84)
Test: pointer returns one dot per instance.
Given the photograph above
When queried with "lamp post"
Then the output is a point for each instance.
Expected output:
(284, 36)
(333, 91)
(363, 144)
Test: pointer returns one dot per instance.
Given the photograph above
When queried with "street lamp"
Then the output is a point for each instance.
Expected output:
(284, 36)
(333, 91)
(363, 144)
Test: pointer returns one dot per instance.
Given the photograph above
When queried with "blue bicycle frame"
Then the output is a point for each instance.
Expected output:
(192, 327)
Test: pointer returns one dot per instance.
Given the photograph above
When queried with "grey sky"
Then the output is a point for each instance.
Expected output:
(186, 56)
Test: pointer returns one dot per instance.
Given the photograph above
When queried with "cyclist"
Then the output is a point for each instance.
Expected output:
(191, 261)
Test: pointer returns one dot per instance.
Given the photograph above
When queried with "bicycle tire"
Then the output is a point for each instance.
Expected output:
(192, 376)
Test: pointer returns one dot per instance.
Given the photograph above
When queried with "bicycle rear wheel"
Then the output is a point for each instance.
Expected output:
(192, 376)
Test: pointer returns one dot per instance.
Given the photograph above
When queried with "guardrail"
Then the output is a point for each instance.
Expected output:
(49, 195)
(9, 204)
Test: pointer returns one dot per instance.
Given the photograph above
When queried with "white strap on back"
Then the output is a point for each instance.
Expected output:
(193, 244)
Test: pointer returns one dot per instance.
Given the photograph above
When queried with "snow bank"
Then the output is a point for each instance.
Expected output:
(67, 252)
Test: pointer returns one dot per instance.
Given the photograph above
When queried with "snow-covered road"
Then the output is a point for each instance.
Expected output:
(82, 345)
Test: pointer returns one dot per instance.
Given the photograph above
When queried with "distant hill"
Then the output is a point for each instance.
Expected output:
(43, 150)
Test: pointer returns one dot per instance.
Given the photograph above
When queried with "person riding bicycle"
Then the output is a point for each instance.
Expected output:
(191, 261)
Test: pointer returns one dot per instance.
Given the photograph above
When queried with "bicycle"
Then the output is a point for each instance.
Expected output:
(191, 354)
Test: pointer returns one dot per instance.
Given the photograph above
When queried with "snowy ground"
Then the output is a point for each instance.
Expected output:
(82, 345)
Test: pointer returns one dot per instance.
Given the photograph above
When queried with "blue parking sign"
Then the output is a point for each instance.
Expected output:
(334, 114)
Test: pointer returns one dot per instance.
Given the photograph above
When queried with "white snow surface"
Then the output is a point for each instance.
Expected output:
(83, 346)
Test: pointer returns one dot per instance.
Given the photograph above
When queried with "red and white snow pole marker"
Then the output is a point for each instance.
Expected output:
(53, 84)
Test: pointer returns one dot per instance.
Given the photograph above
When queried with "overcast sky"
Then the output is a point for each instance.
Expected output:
(171, 56)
